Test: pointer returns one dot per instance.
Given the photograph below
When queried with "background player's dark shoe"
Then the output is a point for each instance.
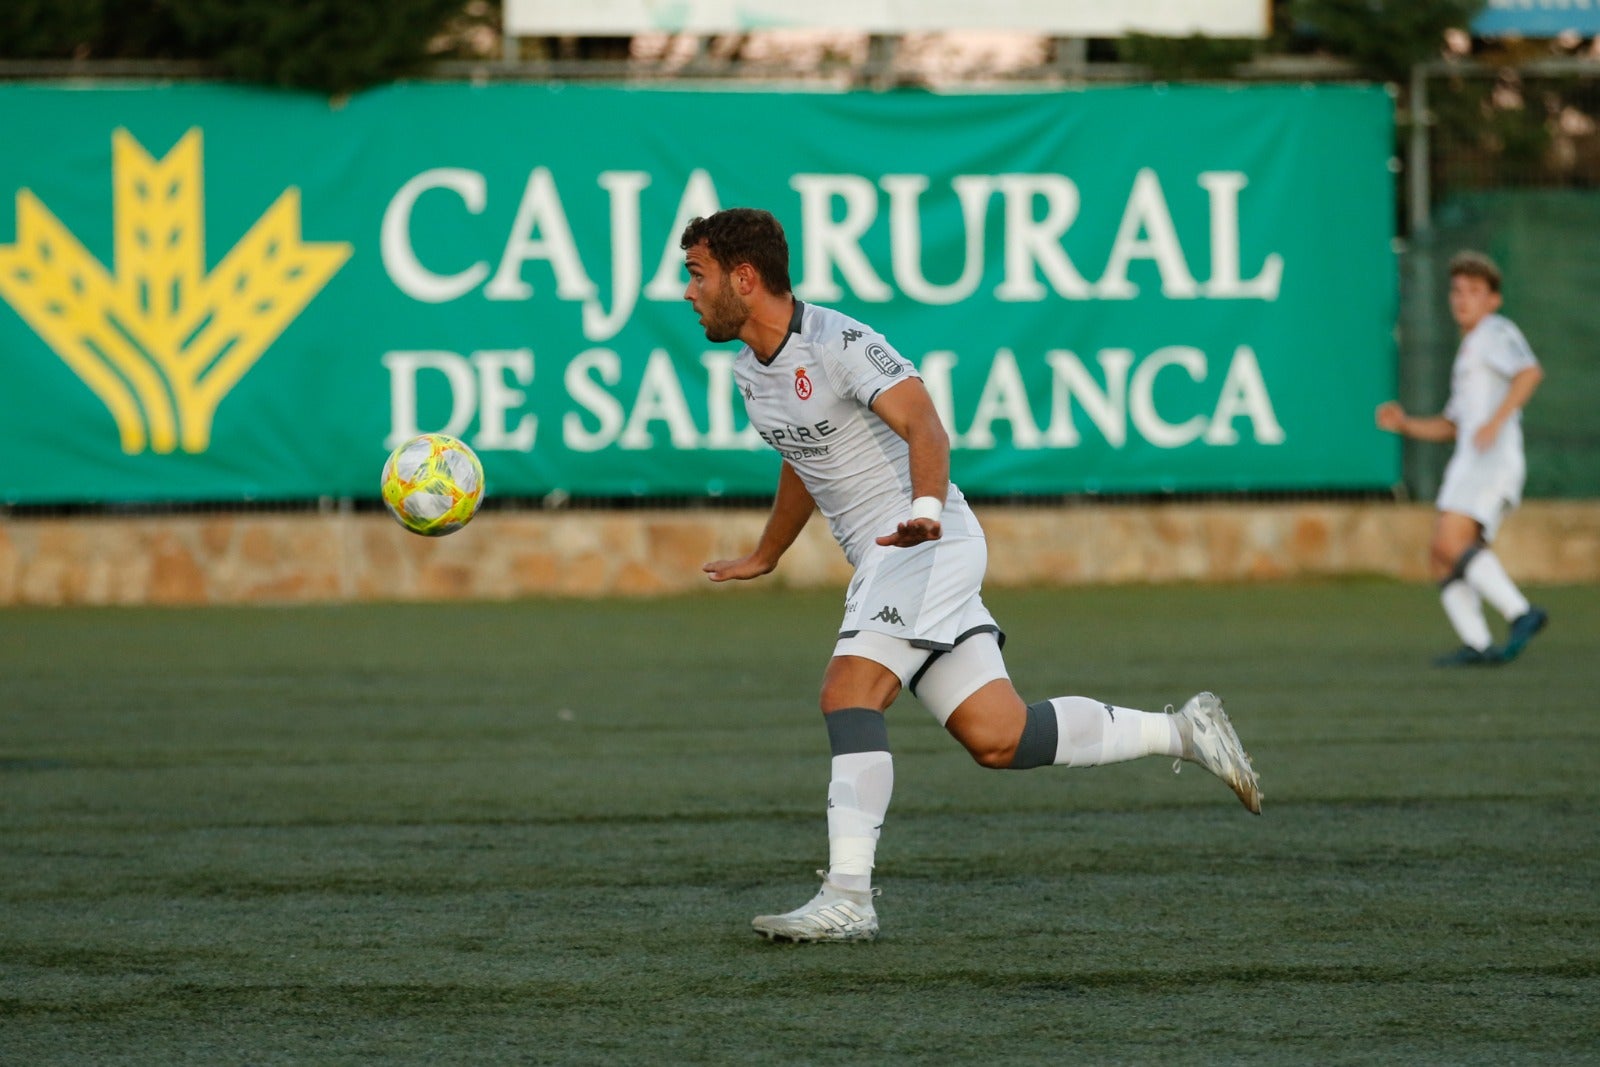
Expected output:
(1523, 627)
(1467, 656)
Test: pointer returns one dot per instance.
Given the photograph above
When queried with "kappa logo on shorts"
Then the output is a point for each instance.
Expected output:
(889, 614)
(886, 363)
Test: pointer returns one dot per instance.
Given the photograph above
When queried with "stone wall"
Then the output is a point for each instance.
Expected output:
(286, 558)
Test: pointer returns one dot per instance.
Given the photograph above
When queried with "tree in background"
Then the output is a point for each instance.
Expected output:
(332, 46)
(1383, 38)
(1386, 38)
(90, 29)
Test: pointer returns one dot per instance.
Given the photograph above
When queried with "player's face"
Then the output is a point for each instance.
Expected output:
(722, 312)
(1471, 301)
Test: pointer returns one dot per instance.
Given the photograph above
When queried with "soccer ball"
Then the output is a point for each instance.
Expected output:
(433, 484)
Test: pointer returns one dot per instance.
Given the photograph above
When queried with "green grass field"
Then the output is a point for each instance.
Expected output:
(536, 832)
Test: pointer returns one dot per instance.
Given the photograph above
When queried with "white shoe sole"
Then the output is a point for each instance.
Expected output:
(812, 937)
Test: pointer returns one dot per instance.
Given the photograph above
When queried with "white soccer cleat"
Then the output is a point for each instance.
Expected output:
(1209, 740)
(834, 914)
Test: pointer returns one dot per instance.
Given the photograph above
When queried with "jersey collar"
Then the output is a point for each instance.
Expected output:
(794, 328)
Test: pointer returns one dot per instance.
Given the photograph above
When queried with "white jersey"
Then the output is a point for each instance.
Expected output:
(1485, 485)
(1491, 354)
(813, 403)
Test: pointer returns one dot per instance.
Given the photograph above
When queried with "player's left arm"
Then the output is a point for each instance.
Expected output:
(908, 410)
(1523, 385)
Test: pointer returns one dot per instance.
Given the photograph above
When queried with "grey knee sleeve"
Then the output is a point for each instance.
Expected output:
(1040, 736)
(857, 730)
(1465, 560)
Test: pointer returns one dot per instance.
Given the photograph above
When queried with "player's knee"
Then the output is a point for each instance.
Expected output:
(1449, 559)
(843, 695)
(989, 748)
(851, 682)
(1443, 556)
(991, 725)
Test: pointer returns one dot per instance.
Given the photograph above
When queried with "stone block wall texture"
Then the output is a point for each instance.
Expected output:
(232, 558)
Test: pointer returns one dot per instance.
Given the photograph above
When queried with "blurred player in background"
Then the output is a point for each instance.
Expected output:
(860, 440)
(1494, 376)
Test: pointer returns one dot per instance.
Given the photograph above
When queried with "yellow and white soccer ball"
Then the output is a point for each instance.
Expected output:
(433, 484)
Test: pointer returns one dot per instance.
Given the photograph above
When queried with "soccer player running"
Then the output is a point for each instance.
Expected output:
(1493, 378)
(862, 442)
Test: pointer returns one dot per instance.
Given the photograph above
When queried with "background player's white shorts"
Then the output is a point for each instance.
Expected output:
(1485, 488)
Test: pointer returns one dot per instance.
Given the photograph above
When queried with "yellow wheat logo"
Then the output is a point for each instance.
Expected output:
(161, 342)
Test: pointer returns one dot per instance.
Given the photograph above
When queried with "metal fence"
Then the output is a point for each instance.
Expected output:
(1507, 160)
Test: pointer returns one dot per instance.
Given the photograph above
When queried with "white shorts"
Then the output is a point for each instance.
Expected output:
(1483, 488)
(926, 595)
(917, 611)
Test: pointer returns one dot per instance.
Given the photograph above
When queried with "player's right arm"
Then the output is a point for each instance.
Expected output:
(791, 510)
(1393, 417)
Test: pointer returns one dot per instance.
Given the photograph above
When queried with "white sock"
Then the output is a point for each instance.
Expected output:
(1465, 612)
(1090, 733)
(858, 799)
(1486, 574)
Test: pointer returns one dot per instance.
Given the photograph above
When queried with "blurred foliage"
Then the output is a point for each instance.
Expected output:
(90, 29)
(332, 46)
(1484, 133)
(1515, 130)
(1385, 38)
(335, 46)
(1494, 123)
(1186, 58)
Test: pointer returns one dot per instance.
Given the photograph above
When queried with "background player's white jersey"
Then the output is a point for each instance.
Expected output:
(1491, 354)
(812, 403)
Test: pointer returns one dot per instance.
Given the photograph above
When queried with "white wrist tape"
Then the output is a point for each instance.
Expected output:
(927, 507)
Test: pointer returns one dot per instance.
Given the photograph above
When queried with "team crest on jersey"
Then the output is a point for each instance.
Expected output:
(886, 363)
(802, 384)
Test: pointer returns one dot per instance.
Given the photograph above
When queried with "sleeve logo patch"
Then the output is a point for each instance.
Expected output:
(887, 364)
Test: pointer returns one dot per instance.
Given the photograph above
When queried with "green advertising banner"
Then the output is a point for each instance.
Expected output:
(217, 293)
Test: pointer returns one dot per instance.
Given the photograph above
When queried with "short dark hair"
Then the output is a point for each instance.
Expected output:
(738, 235)
(1476, 265)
